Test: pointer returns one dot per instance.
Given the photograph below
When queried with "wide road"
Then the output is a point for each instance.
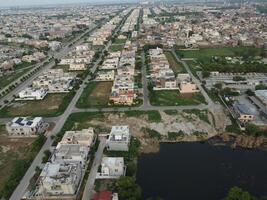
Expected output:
(89, 186)
(23, 185)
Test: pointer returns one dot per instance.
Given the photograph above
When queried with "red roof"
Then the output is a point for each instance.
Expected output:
(105, 195)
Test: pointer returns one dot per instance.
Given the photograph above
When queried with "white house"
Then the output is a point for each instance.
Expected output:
(31, 93)
(23, 126)
(111, 168)
(119, 139)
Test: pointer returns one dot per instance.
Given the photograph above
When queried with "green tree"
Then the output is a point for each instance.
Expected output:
(236, 193)
(206, 74)
(128, 189)
(131, 168)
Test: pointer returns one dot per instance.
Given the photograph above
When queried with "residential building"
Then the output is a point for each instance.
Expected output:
(105, 195)
(25, 126)
(83, 137)
(119, 138)
(185, 84)
(105, 75)
(243, 113)
(77, 67)
(70, 153)
(111, 168)
(31, 93)
(59, 179)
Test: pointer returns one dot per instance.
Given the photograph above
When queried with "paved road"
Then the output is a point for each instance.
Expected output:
(88, 190)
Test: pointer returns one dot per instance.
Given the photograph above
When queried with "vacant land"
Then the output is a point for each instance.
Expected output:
(96, 94)
(188, 123)
(227, 51)
(194, 66)
(52, 105)
(64, 67)
(119, 41)
(173, 98)
(11, 151)
(176, 67)
(116, 47)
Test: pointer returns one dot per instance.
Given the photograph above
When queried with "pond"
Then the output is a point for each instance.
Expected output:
(190, 171)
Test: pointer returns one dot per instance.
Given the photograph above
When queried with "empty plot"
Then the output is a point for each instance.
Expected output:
(176, 67)
(174, 97)
(96, 94)
(52, 104)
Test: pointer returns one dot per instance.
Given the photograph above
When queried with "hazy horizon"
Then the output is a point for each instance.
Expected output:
(4, 3)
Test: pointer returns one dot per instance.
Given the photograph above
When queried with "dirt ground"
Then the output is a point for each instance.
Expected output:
(11, 150)
(102, 90)
(46, 106)
(169, 123)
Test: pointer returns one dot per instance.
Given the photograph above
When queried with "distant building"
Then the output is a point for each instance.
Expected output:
(185, 84)
(262, 96)
(243, 113)
(119, 139)
(77, 67)
(23, 126)
(111, 167)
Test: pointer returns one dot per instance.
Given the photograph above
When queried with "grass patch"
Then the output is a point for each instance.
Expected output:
(153, 115)
(209, 52)
(173, 98)
(51, 105)
(119, 41)
(176, 67)
(171, 112)
(96, 94)
(202, 114)
(194, 66)
(16, 161)
(114, 48)
(151, 133)
(175, 135)
(64, 67)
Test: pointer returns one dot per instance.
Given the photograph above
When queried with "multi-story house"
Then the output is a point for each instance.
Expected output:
(119, 139)
(24, 126)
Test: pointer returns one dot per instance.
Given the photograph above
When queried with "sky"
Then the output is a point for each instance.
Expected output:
(7, 3)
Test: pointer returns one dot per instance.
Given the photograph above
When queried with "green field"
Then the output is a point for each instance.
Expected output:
(114, 48)
(119, 41)
(173, 98)
(194, 66)
(209, 52)
(51, 105)
(176, 67)
(96, 94)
